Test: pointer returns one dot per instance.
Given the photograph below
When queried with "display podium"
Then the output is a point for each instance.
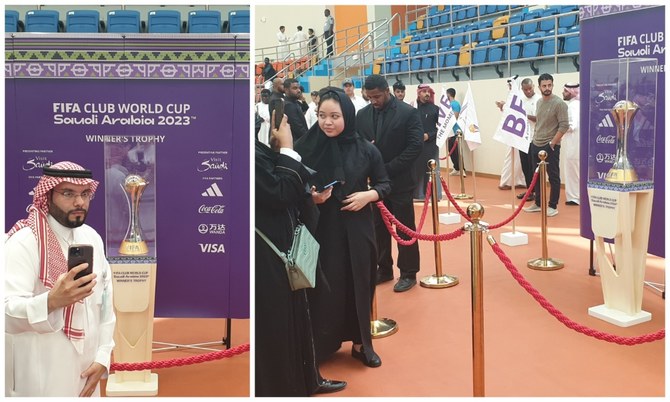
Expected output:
(622, 115)
(131, 250)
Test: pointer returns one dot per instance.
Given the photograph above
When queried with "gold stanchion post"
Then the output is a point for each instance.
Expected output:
(476, 228)
(380, 328)
(438, 280)
(462, 195)
(544, 263)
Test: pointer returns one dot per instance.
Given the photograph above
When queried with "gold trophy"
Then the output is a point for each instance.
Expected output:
(622, 171)
(133, 243)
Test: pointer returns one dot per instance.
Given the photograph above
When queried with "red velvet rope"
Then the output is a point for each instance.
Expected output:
(184, 361)
(453, 148)
(620, 340)
(506, 221)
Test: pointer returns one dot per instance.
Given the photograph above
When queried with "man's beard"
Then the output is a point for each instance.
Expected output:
(546, 93)
(62, 217)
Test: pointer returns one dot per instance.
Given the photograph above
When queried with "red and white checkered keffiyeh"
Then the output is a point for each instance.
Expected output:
(52, 259)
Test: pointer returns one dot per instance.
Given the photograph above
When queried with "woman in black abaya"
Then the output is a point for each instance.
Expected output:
(345, 230)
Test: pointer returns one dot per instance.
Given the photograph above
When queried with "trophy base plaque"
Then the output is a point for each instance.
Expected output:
(617, 317)
(450, 218)
(621, 176)
(132, 388)
(133, 248)
(514, 239)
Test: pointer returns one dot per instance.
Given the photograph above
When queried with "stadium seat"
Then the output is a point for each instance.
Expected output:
(532, 48)
(451, 60)
(465, 55)
(415, 63)
(567, 21)
(515, 48)
(484, 30)
(164, 21)
(43, 21)
(445, 17)
(549, 22)
(425, 43)
(480, 53)
(82, 21)
(446, 38)
(499, 22)
(550, 46)
(428, 60)
(471, 12)
(470, 32)
(571, 44)
(498, 53)
(530, 22)
(11, 21)
(459, 37)
(123, 21)
(238, 21)
(515, 30)
(204, 21)
(404, 66)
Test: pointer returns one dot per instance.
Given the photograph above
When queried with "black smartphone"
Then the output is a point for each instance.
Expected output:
(277, 105)
(79, 254)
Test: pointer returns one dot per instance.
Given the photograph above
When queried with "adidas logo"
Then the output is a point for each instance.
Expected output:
(606, 121)
(212, 191)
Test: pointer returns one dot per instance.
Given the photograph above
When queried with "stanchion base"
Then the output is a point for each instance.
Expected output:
(132, 388)
(450, 218)
(619, 318)
(549, 264)
(383, 328)
(514, 239)
(462, 196)
(439, 282)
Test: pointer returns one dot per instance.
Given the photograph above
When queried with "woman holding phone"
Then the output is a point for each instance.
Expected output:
(345, 230)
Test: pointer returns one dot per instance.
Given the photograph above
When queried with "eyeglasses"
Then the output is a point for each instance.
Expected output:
(71, 195)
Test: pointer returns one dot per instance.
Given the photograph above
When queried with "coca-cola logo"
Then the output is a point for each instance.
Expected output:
(211, 209)
(605, 139)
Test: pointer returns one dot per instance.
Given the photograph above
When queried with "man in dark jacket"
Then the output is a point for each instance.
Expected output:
(395, 128)
(293, 109)
(429, 113)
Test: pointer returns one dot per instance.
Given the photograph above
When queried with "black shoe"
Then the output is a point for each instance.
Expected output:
(571, 203)
(531, 196)
(404, 284)
(330, 386)
(382, 277)
(520, 196)
(375, 361)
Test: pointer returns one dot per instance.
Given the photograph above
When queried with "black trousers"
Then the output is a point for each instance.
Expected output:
(527, 167)
(553, 171)
(329, 45)
(454, 155)
(402, 207)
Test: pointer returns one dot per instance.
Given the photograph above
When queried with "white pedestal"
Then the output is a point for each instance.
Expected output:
(514, 239)
(132, 388)
(617, 317)
(450, 218)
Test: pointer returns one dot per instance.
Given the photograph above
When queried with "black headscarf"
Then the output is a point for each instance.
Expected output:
(325, 154)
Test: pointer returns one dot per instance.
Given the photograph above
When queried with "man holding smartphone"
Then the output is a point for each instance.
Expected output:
(59, 330)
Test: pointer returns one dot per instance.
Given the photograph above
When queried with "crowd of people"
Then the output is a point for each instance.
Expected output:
(374, 147)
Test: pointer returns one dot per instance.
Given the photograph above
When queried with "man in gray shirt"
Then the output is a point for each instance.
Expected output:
(328, 32)
(552, 123)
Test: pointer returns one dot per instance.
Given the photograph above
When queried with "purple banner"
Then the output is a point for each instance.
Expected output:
(617, 33)
(198, 130)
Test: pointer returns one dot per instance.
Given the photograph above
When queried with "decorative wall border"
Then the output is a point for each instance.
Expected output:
(600, 10)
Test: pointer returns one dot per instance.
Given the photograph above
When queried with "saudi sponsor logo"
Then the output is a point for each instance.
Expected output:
(37, 162)
(213, 163)
(212, 191)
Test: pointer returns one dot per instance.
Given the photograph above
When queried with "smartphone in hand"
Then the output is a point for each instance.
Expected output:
(278, 106)
(79, 254)
(329, 185)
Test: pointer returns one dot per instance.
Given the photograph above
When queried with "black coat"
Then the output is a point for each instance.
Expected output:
(284, 348)
(399, 140)
(296, 118)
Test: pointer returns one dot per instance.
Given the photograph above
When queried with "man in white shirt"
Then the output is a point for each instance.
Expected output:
(358, 101)
(571, 144)
(506, 179)
(282, 48)
(529, 103)
(301, 43)
(59, 329)
(310, 114)
(263, 111)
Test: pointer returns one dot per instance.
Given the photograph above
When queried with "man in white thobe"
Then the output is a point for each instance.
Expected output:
(511, 156)
(571, 145)
(300, 38)
(282, 48)
(310, 114)
(59, 331)
(263, 111)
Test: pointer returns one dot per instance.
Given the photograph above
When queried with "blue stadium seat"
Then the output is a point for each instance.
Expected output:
(532, 48)
(238, 21)
(123, 21)
(484, 30)
(531, 23)
(82, 21)
(550, 46)
(515, 30)
(445, 17)
(515, 48)
(567, 21)
(498, 53)
(425, 42)
(11, 21)
(42, 21)
(471, 12)
(451, 60)
(459, 37)
(428, 60)
(404, 66)
(549, 22)
(204, 21)
(445, 39)
(415, 63)
(164, 21)
(470, 34)
(480, 52)
(432, 10)
(571, 44)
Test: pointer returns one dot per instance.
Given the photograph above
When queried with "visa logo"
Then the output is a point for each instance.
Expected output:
(212, 248)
